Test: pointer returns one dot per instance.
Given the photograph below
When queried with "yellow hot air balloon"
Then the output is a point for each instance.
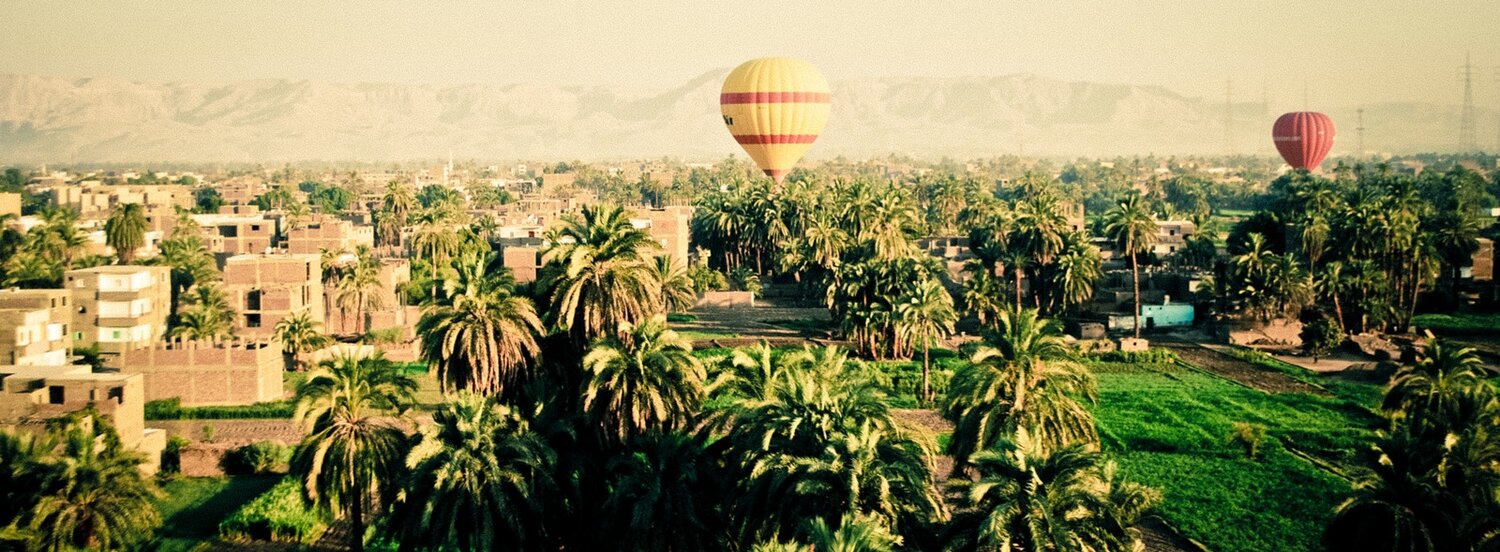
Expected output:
(775, 108)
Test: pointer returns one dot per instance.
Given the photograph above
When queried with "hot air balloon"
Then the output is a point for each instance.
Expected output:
(1303, 138)
(775, 108)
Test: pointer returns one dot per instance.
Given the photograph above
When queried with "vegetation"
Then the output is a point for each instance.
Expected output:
(172, 409)
(279, 515)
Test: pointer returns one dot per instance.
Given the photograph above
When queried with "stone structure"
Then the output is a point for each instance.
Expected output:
(31, 395)
(120, 307)
(203, 373)
(263, 289)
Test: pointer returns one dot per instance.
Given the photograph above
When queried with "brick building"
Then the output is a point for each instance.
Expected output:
(264, 289)
(237, 234)
(203, 373)
(31, 395)
(669, 226)
(119, 307)
(328, 233)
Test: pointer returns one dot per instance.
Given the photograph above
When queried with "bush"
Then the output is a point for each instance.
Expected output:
(1249, 437)
(171, 456)
(680, 318)
(1149, 356)
(280, 515)
(172, 409)
(256, 458)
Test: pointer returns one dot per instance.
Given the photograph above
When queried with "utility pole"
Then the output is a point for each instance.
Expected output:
(1229, 117)
(1466, 138)
(1360, 131)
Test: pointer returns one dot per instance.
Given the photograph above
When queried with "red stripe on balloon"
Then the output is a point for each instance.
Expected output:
(773, 97)
(775, 138)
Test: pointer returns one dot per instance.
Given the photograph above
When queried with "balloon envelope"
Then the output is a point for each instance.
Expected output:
(775, 108)
(1303, 138)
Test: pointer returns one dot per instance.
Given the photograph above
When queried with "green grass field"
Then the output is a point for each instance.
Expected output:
(192, 507)
(1470, 324)
(1168, 427)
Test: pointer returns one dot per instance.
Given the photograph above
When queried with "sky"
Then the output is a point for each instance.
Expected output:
(1341, 52)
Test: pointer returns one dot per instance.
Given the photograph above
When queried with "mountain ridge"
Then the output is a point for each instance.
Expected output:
(58, 119)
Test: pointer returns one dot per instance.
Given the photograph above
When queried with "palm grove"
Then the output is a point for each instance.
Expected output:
(571, 403)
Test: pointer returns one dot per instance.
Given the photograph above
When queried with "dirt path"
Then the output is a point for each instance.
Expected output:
(1237, 370)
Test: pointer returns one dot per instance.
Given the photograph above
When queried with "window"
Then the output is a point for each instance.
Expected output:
(255, 228)
(252, 321)
(55, 394)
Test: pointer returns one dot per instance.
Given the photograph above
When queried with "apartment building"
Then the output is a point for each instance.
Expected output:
(328, 233)
(1172, 235)
(264, 289)
(119, 307)
(32, 395)
(236, 234)
(93, 199)
(671, 227)
(34, 326)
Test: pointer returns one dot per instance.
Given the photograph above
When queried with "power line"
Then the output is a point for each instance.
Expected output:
(1466, 137)
(1359, 131)
(1229, 117)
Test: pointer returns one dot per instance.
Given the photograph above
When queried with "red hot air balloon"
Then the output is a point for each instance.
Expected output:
(1303, 138)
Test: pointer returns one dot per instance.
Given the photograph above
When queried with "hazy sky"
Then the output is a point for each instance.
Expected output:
(1346, 51)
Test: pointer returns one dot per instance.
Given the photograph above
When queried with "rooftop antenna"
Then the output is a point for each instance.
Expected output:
(1466, 139)
(1229, 117)
(1359, 130)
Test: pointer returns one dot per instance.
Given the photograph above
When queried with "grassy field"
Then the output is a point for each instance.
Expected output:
(1472, 324)
(1168, 426)
(192, 507)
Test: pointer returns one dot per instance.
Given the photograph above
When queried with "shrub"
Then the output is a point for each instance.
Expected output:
(172, 409)
(1149, 356)
(171, 456)
(1320, 336)
(680, 318)
(280, 515)
(256, 458)
(1249, 437)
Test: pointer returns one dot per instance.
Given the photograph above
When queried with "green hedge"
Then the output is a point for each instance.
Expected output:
(279, 515)
(1465, 324)
(1149, 356)
(172, 409)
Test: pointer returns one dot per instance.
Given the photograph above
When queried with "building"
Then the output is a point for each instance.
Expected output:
(34, 327)
(389, 310)
(10, 204)
(1171, 236)
(671, 227)
(264, 289)
(202, 373)
(233, 234)
(523, 261)
(119, 307)
(94, 199)
(1165, 315)
(328, 233)
(32, 395)
(1482, 264)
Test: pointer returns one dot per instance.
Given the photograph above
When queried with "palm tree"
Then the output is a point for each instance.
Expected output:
(926, 316)
(983, 296)
(598, 277)
(208, 315)
(1398, 504)
(677, 292)
(1073, 274)
(854, 533)
(1026, 378)
(125, 231)
(358, 288)
(299, 334)
(667, 480)
(352, 454)
(1028, 498)
(58, 236)
(1443, 390)
(821, 443)
(478, 478)
(644, 379)
(477, 335)
(1332, 283)
(398, 201)
(1130, 226)
(93, 495)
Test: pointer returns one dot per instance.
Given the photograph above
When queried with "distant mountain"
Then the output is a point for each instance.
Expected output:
(45, 119)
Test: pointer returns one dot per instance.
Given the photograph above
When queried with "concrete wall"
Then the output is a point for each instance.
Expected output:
(727, 299)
